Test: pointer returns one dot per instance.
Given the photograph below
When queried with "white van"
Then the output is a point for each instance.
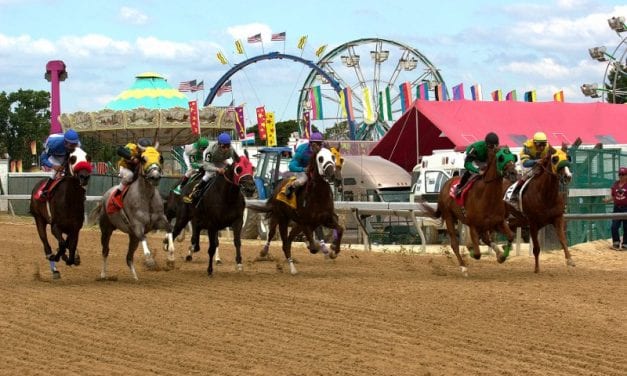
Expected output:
(373, 178)
(429, 176)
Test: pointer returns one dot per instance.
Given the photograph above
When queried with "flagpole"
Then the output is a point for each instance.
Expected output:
(262, 50)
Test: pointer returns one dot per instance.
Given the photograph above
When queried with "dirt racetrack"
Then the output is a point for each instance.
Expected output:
(366, 313)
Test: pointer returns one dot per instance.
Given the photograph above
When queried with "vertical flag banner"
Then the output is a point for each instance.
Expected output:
(307, 121)
(385, 105)
(559, 96)
(511, 96)
(458, 92)
(315, 98)
(221, 58)
(530, 96)
(301, 42)
(475, 91)
(193, 118)
(255, 38)
(497, 95)
(405, 90)
(270, 129)
(346, 100)
(320, 50)
(368, 112)
(440, 92)
(261, 122)
(239, 122)
(239, 47)
(278, 37)
(422, 91)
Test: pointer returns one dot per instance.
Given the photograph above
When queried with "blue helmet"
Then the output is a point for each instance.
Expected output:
(224, 139)
(316, 137)
(71, 136)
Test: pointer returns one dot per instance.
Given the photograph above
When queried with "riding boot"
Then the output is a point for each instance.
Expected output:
(194, 195)
(177, 189)
(460, 185)
(513, 199)
(44, 190)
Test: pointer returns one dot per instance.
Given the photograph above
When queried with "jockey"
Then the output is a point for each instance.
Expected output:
(214, 156)
(56, 150)
(300, 161)
(533, 149)
(476, 157)
(193, 157)
(128, 164)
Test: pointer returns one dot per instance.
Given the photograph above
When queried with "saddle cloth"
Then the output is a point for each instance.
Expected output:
(461, 200)
(508, 193)
(115, 203)
(53, 185)
(289, 201)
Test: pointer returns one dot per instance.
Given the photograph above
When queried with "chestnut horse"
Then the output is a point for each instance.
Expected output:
(64, 210)
(483, 211)
(542, 203)
(314, 207)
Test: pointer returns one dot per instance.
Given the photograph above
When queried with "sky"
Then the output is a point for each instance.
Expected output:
(507, 45)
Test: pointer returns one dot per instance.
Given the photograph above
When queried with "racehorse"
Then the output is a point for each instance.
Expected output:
(141, 213)
(221, 205)
(337, 176)
(64, 210)
(481, 208)
(313, 207)
(542, 203)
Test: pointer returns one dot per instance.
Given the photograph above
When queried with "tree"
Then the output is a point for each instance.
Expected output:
(24, 117)
(283, 131)
(621, 85)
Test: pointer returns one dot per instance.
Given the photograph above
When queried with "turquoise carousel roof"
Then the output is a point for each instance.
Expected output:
(150, 91)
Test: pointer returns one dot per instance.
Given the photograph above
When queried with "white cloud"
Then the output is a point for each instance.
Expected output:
(93, 45)
(242, 32)
(152, 47)
(25, 44)
(133, 16)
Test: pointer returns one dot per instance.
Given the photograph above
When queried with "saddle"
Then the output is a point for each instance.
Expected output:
(289, 201)
(115, 201)
(461, 200)
(53, 184)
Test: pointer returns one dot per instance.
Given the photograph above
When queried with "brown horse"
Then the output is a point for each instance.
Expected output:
(313, 208)
(64, 210)
(483, 211)
(542, 203)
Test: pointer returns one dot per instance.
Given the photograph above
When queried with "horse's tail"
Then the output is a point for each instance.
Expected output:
(429, 210)
(263, 208)
(95, 213)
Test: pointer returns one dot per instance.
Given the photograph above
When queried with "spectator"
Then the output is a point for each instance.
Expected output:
(619, 197)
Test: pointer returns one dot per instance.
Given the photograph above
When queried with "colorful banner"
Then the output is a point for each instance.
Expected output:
(307, 124)
(368, 112)
(385, 105)
(440, 92)
(422, 91)
(458, 92)
(497, 95)
(475, 91)
(301, 42)
(511, 96)
(261, 122)
(270, 129)
(221, 58)
(239, 47)
(406, 100)
(193, 118)
(315, 98)
(530, 96)
(559, 96)
(239, 122)
(346, 101)
(320, 50)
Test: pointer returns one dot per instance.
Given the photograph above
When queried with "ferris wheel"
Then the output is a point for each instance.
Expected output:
(380, 73)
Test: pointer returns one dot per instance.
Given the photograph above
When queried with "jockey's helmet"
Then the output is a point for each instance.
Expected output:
(224, 139)
(143, 143)
(202, 142)
(316, 137)
(491, 139)
(539, 138)
(71, 137)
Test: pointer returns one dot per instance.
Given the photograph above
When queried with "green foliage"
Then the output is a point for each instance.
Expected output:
(24, 117)
(283, 131)
(99, 151)
(621, 85)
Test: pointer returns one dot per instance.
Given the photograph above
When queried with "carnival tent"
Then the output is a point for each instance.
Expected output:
(150, 91)
(430, 125)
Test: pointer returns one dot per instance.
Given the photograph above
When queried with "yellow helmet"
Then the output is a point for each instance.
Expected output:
(539, 138)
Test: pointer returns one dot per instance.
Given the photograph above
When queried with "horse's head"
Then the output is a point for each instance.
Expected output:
(506, 164)
(151, 161)
(339, 161)
(80, 165)
(325, 164)
(243, 176)
(560, 164)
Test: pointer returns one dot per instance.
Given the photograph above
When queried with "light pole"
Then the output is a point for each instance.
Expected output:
(616, 67)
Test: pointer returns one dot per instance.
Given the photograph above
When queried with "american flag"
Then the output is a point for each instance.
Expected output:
(187, 85)
(226, 88)
(278, 37)
(255, 38)
(199, 87)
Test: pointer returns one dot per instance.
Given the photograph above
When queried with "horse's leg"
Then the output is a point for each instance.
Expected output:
(559, 225)
(213, 244)
(338, 232)
(501, 256)
(533, 233)
(43, 236)
(271, 232)
(58, 234)
(133, 242)
(168, 241)
(474, 237)
(72, 243)
(105, 235)
(237, 241)
(452, 234)
(287, 244)
(195, 239)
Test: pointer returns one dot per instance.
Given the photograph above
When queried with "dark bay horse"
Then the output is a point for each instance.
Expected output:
(542, 202)
(64, 210)
(484, 211)
(314, 208)
(142, 212)
(221, 205)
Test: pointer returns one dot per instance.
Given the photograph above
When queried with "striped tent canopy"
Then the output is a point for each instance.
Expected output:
(150, 91)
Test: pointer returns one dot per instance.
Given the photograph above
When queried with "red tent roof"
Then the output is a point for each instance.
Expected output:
(430, 125)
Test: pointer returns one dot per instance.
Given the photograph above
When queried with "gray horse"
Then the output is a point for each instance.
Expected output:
(141, 213)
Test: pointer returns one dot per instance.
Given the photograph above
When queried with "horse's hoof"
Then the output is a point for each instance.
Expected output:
(64, 258)
(313, 251)
(188, 258)
(501, 259)
(69, 261)
(150, 263)
(56, 275)
(210, 272)
(570, 262)
(218, 262)
(77, 260)
(476, 256)
(240, 267)
(332, 255)
(170, 264)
